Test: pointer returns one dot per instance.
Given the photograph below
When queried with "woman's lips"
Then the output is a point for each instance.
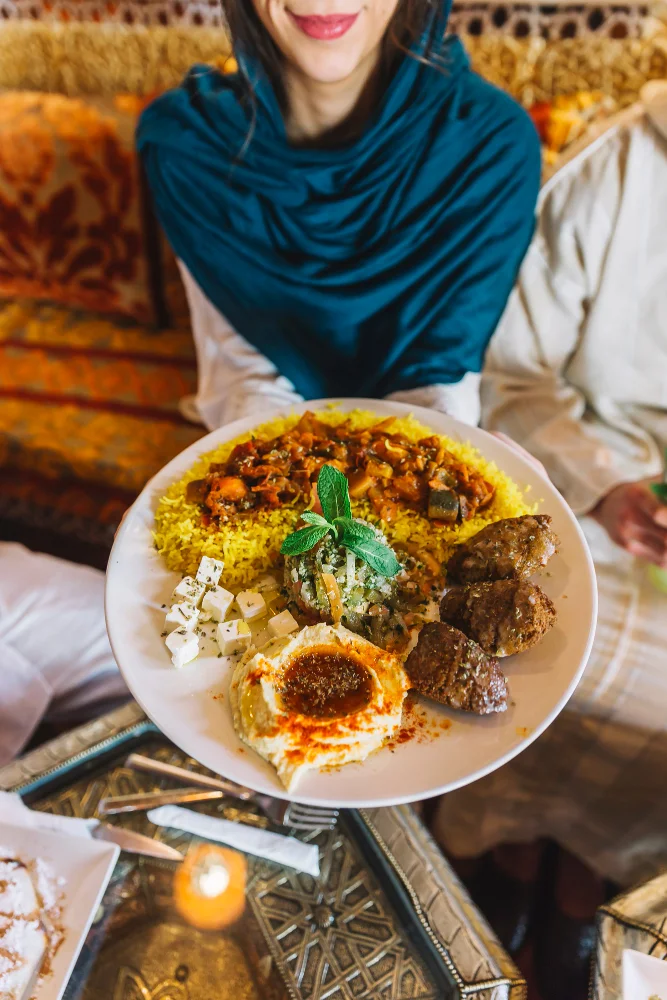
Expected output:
(325, 27)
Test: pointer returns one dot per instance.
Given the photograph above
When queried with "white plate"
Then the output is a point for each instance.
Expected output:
(86, 866)
(182, 702)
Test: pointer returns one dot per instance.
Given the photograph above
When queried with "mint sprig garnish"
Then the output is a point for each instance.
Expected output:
(660, 489)
(333, 493)
(304, 539)
(361, 540)
(310, 517)
(334, 496)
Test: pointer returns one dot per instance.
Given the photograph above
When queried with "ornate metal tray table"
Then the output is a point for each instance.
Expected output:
(386, 920)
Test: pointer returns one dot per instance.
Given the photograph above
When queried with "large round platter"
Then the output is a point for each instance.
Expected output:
(191, 705)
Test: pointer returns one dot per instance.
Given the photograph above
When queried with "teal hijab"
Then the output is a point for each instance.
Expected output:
(379, 265)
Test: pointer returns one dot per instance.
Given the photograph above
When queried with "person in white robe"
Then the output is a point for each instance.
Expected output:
(56, 663)
(577, 374)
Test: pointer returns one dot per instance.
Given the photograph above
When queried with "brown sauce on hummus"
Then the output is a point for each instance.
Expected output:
(326, 685)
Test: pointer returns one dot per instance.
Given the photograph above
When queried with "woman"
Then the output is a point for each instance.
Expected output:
(577, 373)
(350, 210)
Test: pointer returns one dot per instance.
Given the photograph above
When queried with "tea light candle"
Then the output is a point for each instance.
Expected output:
(212, 879)
(209, 887)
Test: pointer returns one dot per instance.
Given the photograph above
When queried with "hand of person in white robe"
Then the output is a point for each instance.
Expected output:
(635, 519)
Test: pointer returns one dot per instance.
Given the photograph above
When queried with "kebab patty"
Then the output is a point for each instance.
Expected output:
(450, 668)
(504, 616)
(513, 548)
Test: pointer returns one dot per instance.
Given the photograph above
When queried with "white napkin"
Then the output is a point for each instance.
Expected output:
(250, 839)
(644, 977)
(13, 810)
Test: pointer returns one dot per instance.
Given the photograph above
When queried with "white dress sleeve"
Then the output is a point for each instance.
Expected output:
(234, 379)
(459, 400)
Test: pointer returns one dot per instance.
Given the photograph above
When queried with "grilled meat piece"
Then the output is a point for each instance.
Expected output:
(504, 617)
(513, 548)
(450, 668)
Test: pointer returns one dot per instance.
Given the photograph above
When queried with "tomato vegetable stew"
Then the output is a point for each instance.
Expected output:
(381, 467)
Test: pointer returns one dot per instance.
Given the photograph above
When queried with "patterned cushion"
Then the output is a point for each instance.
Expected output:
(88, 411)
(567, 119)
(87, 58)
(142, 57)
(72, 220)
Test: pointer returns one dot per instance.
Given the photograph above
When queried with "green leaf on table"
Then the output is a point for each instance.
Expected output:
(304, 539)
(361, 540)
(333, 493)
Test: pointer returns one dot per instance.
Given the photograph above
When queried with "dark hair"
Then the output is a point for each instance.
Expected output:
(409, 22)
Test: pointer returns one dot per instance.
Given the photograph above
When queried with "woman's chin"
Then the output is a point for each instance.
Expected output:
(329, 68)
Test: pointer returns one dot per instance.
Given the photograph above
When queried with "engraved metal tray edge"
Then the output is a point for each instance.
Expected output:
(55, 758)
(625, 922)
(467, 946)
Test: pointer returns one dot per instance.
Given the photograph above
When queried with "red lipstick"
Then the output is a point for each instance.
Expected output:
(325, 28)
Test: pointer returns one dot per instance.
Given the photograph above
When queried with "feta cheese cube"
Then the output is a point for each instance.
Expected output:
(267, 582)
(188, 590)
(183, 646)
(209, 571)
(218, 602)
(233, 637)
(282, 624)
(181, 615)
(251, 603)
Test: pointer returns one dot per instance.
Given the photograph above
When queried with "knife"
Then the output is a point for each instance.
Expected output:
(135, 843)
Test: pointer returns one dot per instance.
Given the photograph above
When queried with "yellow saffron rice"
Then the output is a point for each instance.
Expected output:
(249, 545)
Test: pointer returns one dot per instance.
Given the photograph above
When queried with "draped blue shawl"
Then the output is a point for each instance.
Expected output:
(378, 265)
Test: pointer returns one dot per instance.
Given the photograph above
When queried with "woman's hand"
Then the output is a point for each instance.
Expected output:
(511, 443)
(635, 519)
